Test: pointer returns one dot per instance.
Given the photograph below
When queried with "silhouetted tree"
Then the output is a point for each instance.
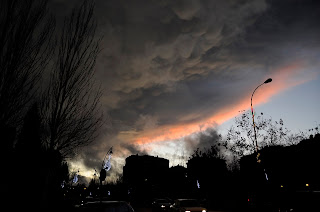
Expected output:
(240, 139)
(212, 152)
(71, 108)
(53, 172)
(31, 163)
(29, 155)
(30, 136)
(24, 44)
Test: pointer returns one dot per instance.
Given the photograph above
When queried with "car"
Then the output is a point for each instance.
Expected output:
(160, 205)
(187, 205)
(106, 206)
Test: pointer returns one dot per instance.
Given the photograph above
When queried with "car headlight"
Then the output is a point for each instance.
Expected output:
(204, 211)
(163, 206)
(187, 211)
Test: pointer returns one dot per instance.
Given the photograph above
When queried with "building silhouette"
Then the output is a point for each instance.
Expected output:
(142, 169)
(287, 166)
(145, 177)
(288, 176)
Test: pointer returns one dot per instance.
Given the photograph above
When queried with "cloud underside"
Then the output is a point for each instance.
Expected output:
(170, 68)
(173, 65)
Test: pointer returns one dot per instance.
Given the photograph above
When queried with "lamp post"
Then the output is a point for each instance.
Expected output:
(254, 125)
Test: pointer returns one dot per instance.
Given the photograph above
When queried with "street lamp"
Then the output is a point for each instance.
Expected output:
(254, 125)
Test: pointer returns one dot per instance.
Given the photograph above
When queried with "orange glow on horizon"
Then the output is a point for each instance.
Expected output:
(283, 78)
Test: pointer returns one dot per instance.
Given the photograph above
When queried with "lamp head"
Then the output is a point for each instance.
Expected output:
(268, 80)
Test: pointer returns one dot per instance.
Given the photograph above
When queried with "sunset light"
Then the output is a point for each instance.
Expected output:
(284, 78)
(132, 104)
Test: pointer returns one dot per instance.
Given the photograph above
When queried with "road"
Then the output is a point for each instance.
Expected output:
(150, 210)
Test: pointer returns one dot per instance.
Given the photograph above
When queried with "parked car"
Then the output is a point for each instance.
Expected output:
(106, 206)
(160, 205)
(187, 205)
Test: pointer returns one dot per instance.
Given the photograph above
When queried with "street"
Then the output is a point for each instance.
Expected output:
(150, 210)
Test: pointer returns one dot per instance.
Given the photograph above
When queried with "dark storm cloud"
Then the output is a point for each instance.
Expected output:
(160, 56)
(185, 99)
(176, 62)
(202, 140)
(157, 53)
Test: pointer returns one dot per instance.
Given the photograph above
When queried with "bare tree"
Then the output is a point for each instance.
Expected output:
(240, 139)
(24, 44)
(72, 111)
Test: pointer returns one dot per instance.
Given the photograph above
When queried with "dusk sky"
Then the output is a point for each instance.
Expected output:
(171, 70)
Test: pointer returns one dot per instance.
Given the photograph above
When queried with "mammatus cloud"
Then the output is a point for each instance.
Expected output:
(163, 58)
(170, 69)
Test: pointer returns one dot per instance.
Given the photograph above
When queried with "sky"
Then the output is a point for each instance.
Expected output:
(174, 72)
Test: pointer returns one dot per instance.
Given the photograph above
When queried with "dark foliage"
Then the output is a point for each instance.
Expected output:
(71, 103)
(25, 51)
